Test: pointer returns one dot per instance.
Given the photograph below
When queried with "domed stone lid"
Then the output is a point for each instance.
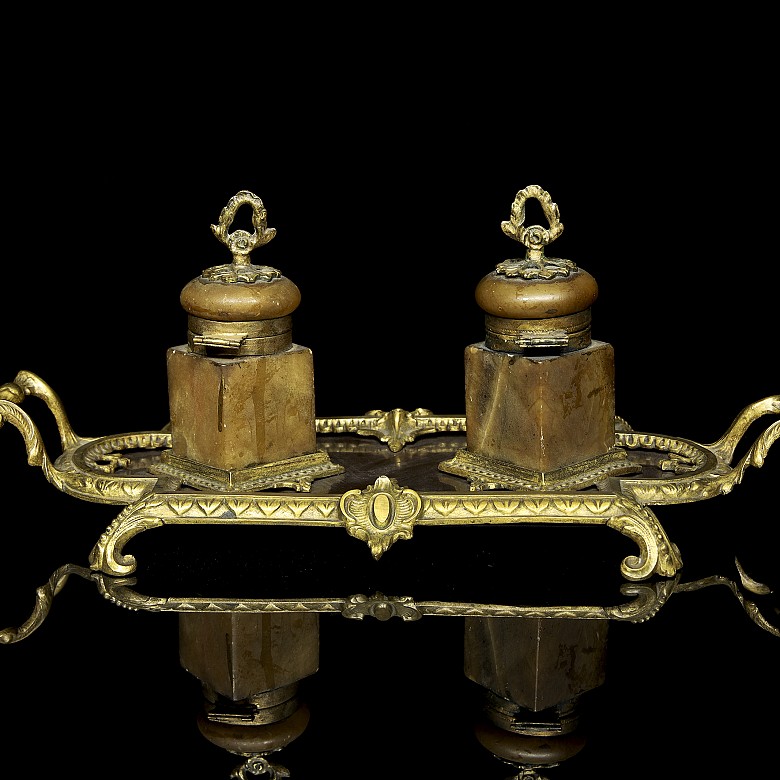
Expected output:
(241, 308)
(537, 301)
(520, 299)
(265, 295)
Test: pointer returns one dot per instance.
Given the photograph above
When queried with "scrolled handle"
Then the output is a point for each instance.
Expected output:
(241, 242)
(533, 237)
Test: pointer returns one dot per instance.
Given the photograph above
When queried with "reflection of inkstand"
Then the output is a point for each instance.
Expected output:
(242, 419)
(540, 416)
(542, 446)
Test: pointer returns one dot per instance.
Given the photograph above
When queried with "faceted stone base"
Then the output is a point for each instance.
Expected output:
(232, 413)
(540, 413)
(535, 663)
(241, 655)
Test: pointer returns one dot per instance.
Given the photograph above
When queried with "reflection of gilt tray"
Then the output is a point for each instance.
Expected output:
(642, 601)
(384, 492)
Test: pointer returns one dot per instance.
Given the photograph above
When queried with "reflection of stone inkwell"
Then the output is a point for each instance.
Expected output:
(242, 419)
(540, 416)
(540, 393)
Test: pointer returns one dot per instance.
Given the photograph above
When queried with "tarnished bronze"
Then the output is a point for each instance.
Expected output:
(565, 333)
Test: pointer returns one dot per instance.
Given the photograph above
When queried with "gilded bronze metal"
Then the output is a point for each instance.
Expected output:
(297, 473)
(258, 766)
(392, 517)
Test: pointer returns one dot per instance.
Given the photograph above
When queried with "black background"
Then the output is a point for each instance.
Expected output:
(387, 205)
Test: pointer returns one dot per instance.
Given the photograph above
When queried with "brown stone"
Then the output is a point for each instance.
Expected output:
(530, 750)
(211, 300)
(536, 662)
(518, 298)
(239, 655)
(232, 413)
(540, 412)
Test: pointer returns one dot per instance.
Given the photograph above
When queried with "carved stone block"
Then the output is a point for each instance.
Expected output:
(536, 663)
(540, 413)
(238, 656)
(232, 413)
